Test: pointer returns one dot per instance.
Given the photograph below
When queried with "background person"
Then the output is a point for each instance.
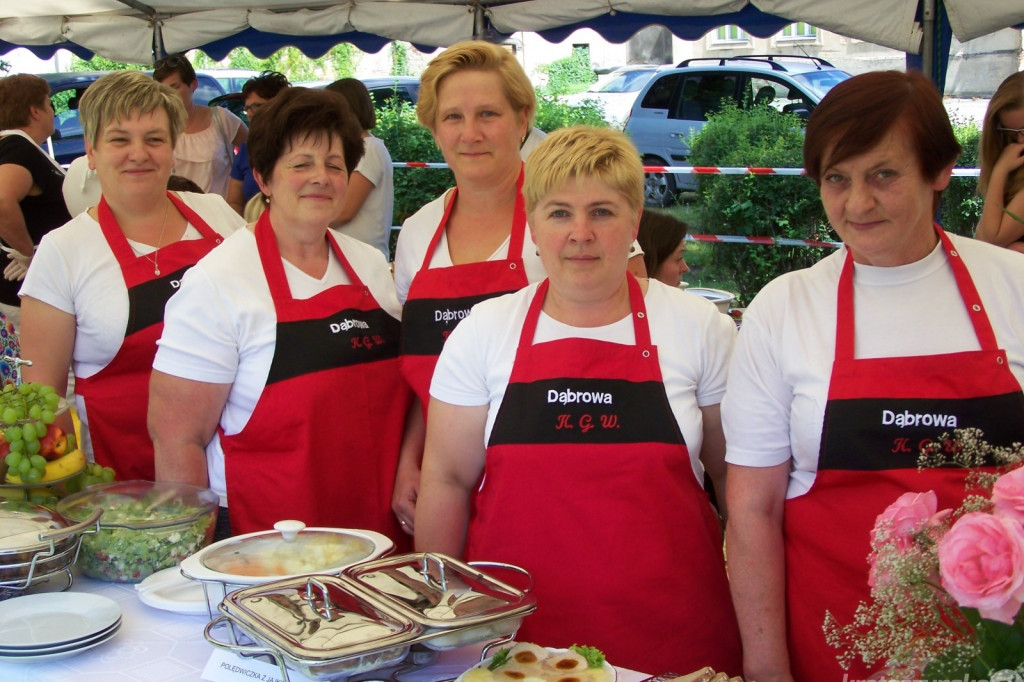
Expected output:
(205, 151)
(31, 203)
(267, 330)
(904, 318)
(370, 202)
(663, 240)
(94, 297)
(562, 478)
(256, 92)
(1001, 157)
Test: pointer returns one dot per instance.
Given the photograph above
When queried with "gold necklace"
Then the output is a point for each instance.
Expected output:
(156, 252)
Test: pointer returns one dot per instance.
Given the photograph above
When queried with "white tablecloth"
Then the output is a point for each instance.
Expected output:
(159, 646)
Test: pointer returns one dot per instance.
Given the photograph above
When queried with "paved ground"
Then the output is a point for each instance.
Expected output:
(966, 109)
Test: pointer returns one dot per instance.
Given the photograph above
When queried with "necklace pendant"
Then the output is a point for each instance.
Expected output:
(156, 271)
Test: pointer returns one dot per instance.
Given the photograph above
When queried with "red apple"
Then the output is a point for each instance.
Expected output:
(54, 444)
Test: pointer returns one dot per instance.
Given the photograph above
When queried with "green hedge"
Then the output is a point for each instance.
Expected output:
(762, 206)
(786, 206)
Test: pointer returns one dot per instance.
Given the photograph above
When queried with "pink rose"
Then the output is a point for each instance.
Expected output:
(909, 514)
(1008, 495)
(981, 562)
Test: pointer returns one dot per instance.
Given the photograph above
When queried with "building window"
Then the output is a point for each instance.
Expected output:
(798, 32)
(729, 34)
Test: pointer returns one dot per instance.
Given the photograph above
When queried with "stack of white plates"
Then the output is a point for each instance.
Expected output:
(37, 627)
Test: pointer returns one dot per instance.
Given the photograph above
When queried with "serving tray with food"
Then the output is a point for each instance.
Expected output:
(527, 661)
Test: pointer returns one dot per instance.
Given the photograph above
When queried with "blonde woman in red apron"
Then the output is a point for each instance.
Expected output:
(96, 292)
(277, 379)
(571, 422)
(842, 371)
(469, 244)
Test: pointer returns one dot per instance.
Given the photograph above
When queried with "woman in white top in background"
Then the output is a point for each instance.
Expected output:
(205, 151)
(370, 202)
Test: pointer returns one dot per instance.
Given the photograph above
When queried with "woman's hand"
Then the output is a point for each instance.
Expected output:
(1010, 159)
(407, 478)
(403, 500)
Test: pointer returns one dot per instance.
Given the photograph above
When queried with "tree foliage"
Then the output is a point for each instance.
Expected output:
(569, 75)
(762, 206)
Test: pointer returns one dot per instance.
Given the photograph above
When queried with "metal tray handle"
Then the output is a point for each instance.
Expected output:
(510, 567)
(311, 599)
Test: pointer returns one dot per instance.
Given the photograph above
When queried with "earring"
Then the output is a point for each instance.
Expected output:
(537, 251)
(632, 249)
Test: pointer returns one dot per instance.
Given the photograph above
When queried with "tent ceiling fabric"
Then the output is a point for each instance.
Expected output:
(117, 31)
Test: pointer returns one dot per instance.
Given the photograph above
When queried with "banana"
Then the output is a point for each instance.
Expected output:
(71, 463)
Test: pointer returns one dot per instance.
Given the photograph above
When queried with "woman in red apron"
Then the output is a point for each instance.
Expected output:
(585, 478)
(140, 238)
(466, 246)
(320, 438)
(795, 557)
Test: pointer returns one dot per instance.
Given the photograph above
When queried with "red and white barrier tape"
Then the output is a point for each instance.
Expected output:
(697, 170)
(763, 241)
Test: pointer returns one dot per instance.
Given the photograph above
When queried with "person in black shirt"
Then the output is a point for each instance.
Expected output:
(31, 201)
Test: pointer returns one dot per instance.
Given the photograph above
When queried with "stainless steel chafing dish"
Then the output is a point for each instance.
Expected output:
(36, 544)
(323, 626)
(329, 626)
(455, 603)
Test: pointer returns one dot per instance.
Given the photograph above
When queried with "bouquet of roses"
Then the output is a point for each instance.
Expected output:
(947, 586)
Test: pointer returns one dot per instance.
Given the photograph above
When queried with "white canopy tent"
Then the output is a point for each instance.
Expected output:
(136, 30)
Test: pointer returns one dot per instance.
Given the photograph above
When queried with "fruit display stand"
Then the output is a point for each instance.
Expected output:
(61, 476)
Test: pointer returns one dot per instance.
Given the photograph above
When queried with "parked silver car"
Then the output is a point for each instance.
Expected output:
(676, 103)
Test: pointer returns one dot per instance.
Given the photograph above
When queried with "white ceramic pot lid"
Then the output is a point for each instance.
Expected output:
(54, 618)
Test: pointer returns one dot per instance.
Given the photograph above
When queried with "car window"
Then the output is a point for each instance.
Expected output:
(207, 89)
(68, 124)
(774, 93)
(629, 81)
(704, 94)
(389, 95)
(659, 96)
(818, 83)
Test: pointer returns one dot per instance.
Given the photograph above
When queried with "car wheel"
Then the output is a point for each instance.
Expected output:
(659, 188)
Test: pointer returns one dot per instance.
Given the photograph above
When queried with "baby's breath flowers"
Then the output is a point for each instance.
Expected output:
(946, 586)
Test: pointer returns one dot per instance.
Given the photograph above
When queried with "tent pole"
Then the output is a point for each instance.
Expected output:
(479, 23)
(928, 42)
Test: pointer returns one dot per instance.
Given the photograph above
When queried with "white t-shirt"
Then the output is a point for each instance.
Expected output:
(414, 238)
(372, 224)
(75, 271)
(780, 371)
(694, 341)
(221, 326)
(205, 157)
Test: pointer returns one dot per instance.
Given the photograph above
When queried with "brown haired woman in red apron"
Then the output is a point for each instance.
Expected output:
(865, 465)
(117, 396)
(322, 443)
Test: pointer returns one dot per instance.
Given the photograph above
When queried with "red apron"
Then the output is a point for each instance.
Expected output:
(588, 486)
(440, 297)
(880, 412)
(117, 396)
(322, 443)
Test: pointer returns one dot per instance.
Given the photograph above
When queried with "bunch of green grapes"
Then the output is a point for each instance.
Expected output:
(96, 473)
(25, 411)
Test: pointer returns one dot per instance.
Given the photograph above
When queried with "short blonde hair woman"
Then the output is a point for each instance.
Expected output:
(585, 406)
(94, 297)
